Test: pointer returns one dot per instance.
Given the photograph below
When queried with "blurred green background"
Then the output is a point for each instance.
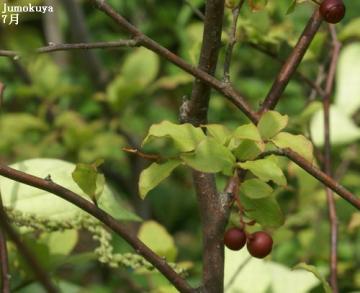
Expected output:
(80, 106)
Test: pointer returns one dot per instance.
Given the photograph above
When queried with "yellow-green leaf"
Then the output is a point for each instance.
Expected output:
(211, 157)
(219, 132)
(271, 123)
(266, 169)
(248, 150)
(247, 131)
(154, 174)
(158, 239)
(316, 273)
(298, 143)
(185, 136)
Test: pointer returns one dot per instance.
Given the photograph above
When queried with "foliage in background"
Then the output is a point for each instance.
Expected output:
(53, 109)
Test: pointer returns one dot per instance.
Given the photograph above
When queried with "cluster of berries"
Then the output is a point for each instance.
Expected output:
(259, 244)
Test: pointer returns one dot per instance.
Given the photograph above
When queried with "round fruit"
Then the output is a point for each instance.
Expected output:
(235, 238)
(259, 244)
(332, 10)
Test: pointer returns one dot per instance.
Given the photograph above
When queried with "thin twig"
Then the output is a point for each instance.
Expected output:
(237, 272)
(317, 89)
(351, 154)
(4, 259)
(232, 41)
(196, 10)
(2, 88)
(77, 46)
(327, 163)
(28, 255)
(322, 177)
(292, 62)
(102, 216)
(320, 77)
(149, 157)
(80, 33)
(227, 90)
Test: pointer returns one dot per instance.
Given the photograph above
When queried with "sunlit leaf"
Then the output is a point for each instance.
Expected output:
(347, 98)
(260, 276)
(248, 150)
(312, 269)
(185, 136)
(158, 239)
(266, 169)
(30, 200)
(342, 129)
(271, 123)
(219, 132)
(298, 143)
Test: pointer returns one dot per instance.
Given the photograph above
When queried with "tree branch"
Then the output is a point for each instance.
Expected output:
(195, 10)
(212, 214)
(227, 90)
(76, 46)
(80, 33)
(103, 217)
(38, 271)
(232, 41)
(2, 88)
(327, 156)
(298, 74)
(291, 64)
(322, 177)
(4, 260)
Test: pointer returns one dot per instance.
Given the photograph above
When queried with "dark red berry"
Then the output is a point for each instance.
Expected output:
(259, 244)
(332, 10)
(235, 238)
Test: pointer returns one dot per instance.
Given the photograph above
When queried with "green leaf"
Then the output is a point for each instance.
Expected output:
(248, 150)
(30, 200)
(158, 239)
(89, 180)
(266, 169)
(313, 269)
(247, 131)
(266, 211)
(342, 128)
(262, 276)
(219, 132)
(142, 66)
(298, 143)
(255, 189)
(351, 30)
(185, 136)
(60, 242)
(305, 116)
(210, 157)
(85, 177)
(347, 97)
(154, 174)
(271, 123)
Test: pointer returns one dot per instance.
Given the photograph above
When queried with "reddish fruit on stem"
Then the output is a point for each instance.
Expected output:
(259, 244)
(235, 238)
(332, 10)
